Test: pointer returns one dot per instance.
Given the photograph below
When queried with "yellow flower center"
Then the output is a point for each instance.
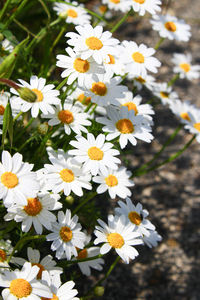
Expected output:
(38, 94)
(185, 116)
(95, 153)
(140, 79)
(82, 254)
(54, 298)
(2, 109)
(103, 8)
(94, 43)
(9, 179)
(164, 94)
(197, 126)
(138, 57)
(125, 126)
(115, 240)
(135, 218)
(115, 1)
(39, 275)
(3, 255)
(112, 59)
(111, 180)
(66, 234)
(72, 13)
(67, 175)
(20, 288)
(139, 1)
(65, 116)
(99, 88)
(185, 67)
(34, 207)
(131, 106)
(170, 26)
(81, 65)
(83, 99)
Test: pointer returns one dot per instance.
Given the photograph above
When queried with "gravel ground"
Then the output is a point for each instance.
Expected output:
(171, 193)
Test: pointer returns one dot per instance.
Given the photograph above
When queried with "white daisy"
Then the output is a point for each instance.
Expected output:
(23, 284)
(125, 125)
(36, 212)
(170, 27)
(5, 251)
(95, 154)
(136, 215)
(182, 110)
(121, 5)
(133, 103)
(92, 42)
(71, 116)
(59, 291)
(141, 6)
(138, 59)
(139, 82)
(86, 253)
(116, 182)
(194, 123)
(119, 236)
(66, 235)
(78, 68)
(4, 97)
(114, 65)
(184, 67)
(75, 13)
(67, 175)
(47, 263)
(153, 239)
(105, 90)
(16, 179)
(164, 93)
(47, 96)
(6, 45)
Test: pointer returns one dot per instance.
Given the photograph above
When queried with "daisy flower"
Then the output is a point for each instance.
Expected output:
(36, 212)
(60, 291)
(66, 235)
(5, 251)
(119, 5)
(114, 65)
(118, 236)
(139, 82)
(194, 123)
(184, 68)
(136, 215)
(95, 154)
(105, 90)
(93, 42)
(6, 45)
(16, 179)
(65, 174)
(71, 116)
(46, 96)
(116, 182)
(23, 284)
(77, 68)
(141, 6)
(86, 253)
(138, 59)
(133, 103)
(182, 110)
(164, 93)
(170, 27)
(126, 125)
(47, 263)
(75, 13)
(153, 239)
(4, 97)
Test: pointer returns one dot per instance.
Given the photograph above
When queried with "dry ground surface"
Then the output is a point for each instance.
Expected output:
(172, 193)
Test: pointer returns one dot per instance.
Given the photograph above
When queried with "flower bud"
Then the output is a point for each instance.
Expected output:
(99, 291)
(43, 128)
(63, 15)
(1, 37)
(69, 200)
(27, 94)
(49, 143)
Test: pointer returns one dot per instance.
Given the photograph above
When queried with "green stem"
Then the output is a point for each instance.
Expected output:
(57, 38)
(171, 158)
(62, 84)
(2, 12)
(70, 262)
(87, 199)
(88, 107)
(173, 80)
(121, 21)
(169, 140)
(23, 27)
(93, 110)
(27, 142)
(161, 40)
(24, 240)
(17, 116)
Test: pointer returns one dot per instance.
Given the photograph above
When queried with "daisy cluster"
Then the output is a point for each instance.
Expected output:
(81, 127)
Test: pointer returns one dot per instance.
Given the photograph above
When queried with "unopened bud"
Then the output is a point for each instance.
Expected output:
(63, 15)
(27, 94)
(69, 200)
(1, 37)
(99, 291)
(49, 143)
(43, 128)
